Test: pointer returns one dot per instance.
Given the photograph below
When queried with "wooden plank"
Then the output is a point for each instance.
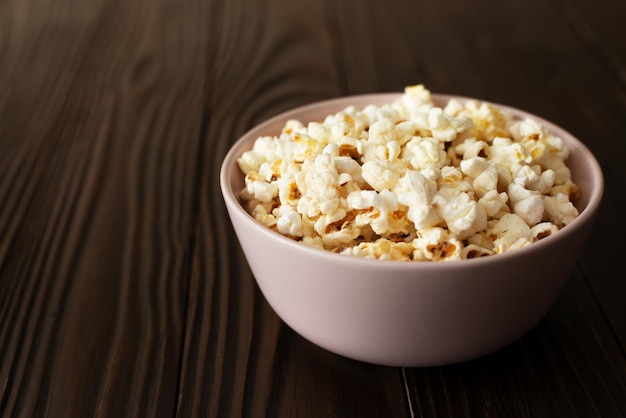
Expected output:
(599, 26)
(95, 262)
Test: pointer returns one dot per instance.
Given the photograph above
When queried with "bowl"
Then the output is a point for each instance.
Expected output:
(409, 314)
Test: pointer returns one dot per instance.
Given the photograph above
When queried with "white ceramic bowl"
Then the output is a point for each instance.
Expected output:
(409, 313)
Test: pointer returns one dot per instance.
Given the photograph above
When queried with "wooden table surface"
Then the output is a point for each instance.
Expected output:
(123, 290)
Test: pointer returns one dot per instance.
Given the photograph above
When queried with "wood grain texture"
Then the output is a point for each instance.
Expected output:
(123, 290)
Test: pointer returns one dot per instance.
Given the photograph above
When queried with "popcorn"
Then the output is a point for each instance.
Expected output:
(258, 188)
(381, 249)
(416, 192)
(533, 178)
(382, 131)
(318, 186)
(437, 244)
(412, 181)
(264, 149)
(474, 251)
(510, 231)
(380, 175)
(488, 121)
(483, 174)
(494, 203)
(543, 230)
(559, 209)
(350, 173)
(424, 152)
(378, 210)
(288, 221)
(416, 96)
(461, 213)
(445, 127)
(527, 204)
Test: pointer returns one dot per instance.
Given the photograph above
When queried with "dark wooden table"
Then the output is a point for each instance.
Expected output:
(123, 291)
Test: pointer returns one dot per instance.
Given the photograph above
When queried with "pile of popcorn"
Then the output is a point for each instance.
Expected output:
(411, 181)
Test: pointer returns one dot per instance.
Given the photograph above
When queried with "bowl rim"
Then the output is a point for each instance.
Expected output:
(586, 215)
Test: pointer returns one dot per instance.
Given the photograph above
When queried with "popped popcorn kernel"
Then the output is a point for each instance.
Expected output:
(475, 251)
(559, 209)
(438, 244)
(543, 230)
(424, 152)
(381, 249)
(510, 231)
(411, 181)
(380, 175)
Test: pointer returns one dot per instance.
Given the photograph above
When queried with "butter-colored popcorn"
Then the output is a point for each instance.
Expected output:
(462, 214)
(474, 251)
(543, 230)
(445, 127)
(288, 221)
(261, 213)
(292, 126)
(318, 186)
(416, 192)
(424, 152)
(471, 148)
(505, 152)
(489, 122)
(438, 244)
(527, 204)
(559, 209)
(405, 131)
(319, 132)
(348, 122)
(349, 171)
(288, 192)
(481, 240)
(567, 188)
(381, 249)
(546, 149)
(379, 210)
(508, 232)
(264, 149)
(372, 151)
(313, 241)
(532, 178)
(409, 180)
(382, 131)
(335, 229)
(351, 147)
(260, 189)
(371, 114)
(416, 96)
(380, 175)
(494, 203)
(483, 174)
